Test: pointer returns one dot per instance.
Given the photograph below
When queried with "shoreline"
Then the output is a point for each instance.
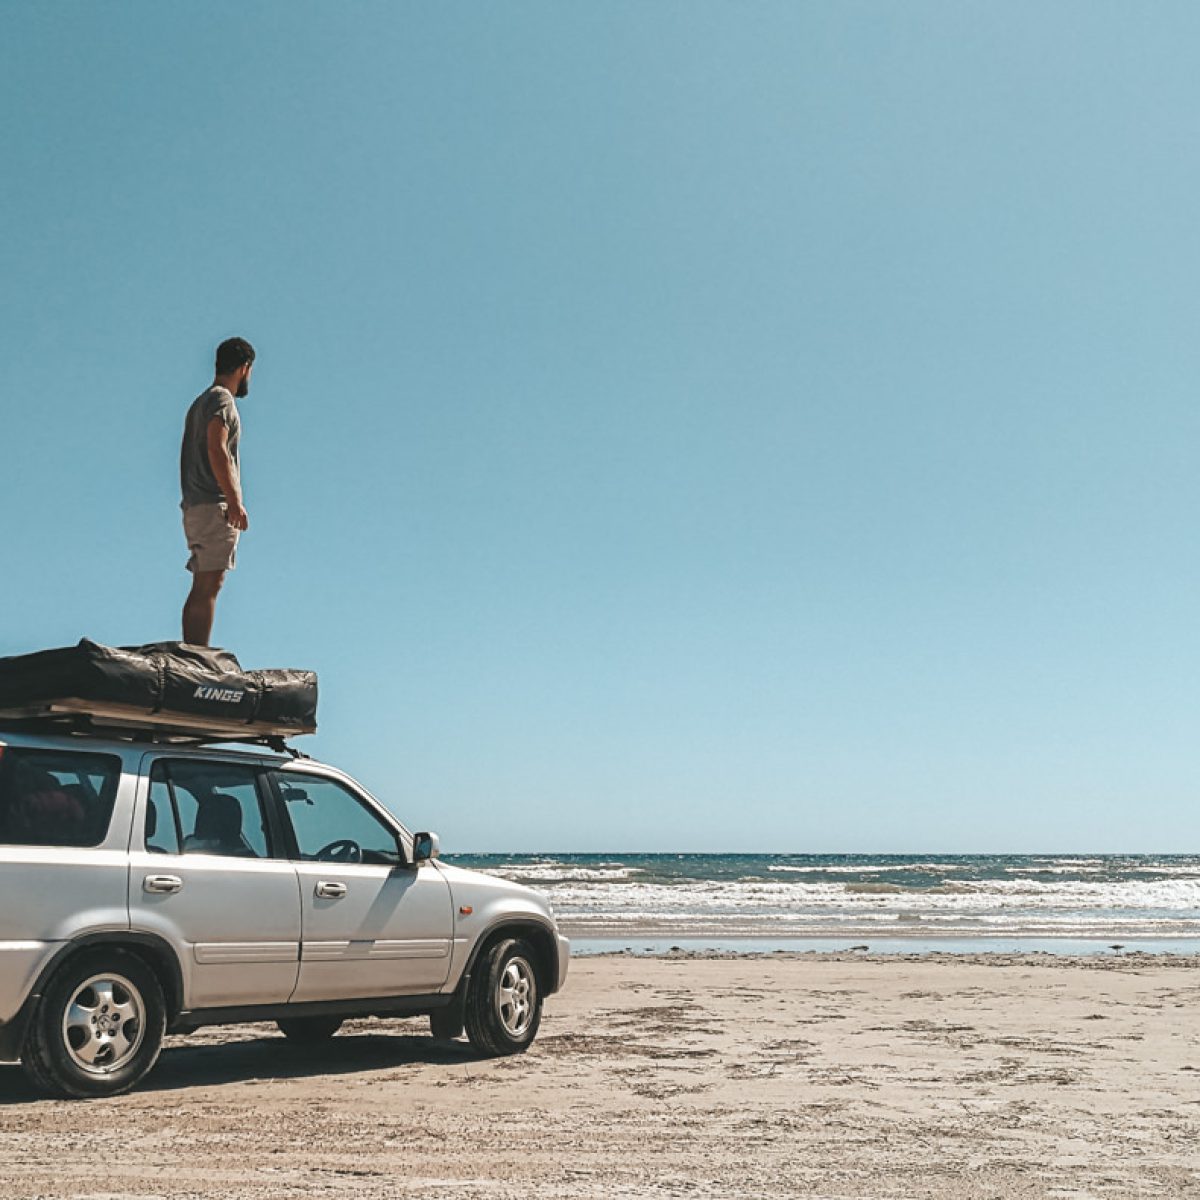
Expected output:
(665, 944)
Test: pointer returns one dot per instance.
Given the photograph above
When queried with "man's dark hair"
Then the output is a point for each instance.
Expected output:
(232, 353)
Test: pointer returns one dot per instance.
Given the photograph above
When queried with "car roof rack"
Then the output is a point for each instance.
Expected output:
(143, 727)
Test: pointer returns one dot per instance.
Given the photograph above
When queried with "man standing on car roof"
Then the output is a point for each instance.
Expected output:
(213, 513)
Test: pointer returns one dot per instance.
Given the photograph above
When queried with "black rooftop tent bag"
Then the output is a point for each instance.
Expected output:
(188, 689)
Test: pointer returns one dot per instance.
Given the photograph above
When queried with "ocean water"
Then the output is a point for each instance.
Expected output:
(797, 900)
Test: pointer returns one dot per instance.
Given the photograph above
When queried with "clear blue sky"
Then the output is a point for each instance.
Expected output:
(677, 425)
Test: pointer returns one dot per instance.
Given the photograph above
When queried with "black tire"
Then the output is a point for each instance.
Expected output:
(98, 1027)
(446, 1024)
(307, 1031)
(504, 1000)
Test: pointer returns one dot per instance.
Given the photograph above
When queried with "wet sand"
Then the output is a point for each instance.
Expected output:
(808, 1075)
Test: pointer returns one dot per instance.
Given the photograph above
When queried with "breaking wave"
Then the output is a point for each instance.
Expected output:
(776, 894)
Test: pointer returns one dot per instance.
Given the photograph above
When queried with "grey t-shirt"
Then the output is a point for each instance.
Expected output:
(196, 477)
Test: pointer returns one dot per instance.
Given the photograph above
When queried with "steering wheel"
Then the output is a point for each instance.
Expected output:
(342, 850)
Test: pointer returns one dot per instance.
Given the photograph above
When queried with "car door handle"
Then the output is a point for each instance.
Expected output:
(162, 883)
(328, 890)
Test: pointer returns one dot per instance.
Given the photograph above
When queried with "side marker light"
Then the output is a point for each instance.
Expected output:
(466, 910)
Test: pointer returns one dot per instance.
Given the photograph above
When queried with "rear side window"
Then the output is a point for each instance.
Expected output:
(56, 797)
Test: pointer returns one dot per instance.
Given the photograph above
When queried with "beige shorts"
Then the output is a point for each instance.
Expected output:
(210, 538)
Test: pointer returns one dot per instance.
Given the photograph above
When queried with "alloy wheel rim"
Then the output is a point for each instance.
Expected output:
(104, 1024)
(515, 996)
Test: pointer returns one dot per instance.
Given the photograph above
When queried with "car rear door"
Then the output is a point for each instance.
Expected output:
(371, 925)
(209, 870)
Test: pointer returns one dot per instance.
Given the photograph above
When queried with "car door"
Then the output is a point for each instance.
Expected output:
(370, 924)
(210, 870)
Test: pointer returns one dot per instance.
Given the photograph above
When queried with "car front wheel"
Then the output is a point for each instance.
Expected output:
(504, 1002)
(98, 1028)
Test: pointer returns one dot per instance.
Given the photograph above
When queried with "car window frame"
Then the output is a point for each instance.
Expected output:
(276, 774)
(278, 845)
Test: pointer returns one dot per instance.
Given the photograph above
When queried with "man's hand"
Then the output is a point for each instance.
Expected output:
(237, 516)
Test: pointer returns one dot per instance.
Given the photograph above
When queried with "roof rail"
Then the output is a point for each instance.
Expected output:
(141, 731)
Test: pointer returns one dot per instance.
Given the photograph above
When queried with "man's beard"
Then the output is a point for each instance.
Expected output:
(243, 388)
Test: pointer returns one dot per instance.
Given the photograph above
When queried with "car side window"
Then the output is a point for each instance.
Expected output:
(333, 825)
(162, 834)
(215, 807)
(56, 797)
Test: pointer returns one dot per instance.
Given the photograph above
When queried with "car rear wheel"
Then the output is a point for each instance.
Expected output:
(98, 1028)
(306, 1031)
(504, 1002)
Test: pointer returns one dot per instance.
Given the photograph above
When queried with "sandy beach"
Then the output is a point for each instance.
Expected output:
(816, 1076)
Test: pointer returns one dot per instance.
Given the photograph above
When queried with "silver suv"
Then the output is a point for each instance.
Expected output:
(150, 888)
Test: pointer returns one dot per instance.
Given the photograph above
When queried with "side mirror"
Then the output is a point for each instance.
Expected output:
(425, 847)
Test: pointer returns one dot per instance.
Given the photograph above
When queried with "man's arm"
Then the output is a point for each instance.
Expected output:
(226, 474)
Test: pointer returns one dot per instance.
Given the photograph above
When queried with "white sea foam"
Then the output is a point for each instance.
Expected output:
(1190, 871)
(837, 869)
(1016, 906)
(927, 868)
(564, 873)
(1074, 869)
(1051, 895)
(991, 893)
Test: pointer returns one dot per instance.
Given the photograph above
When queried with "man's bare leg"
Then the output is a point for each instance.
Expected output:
(201, 607)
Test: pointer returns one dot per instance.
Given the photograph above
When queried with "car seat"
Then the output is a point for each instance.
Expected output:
(218, 827)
